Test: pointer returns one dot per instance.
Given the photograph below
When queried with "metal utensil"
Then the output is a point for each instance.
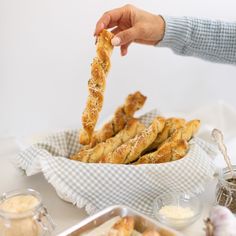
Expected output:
(142, 222)
(219, 139)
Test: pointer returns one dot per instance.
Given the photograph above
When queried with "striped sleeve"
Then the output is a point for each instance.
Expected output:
(210, 40)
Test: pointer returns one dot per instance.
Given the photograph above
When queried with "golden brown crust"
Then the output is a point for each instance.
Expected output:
(186, 132)
(151, 233)
(192, 128)
(166, 232)
(171, 125)
(96, 85)
(169, 151)
(130, 151)
(93, 155)
(104, 49)
(132, 103)
(124, 227)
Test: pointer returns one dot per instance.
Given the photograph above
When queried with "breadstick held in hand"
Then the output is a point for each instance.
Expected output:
(99, 69)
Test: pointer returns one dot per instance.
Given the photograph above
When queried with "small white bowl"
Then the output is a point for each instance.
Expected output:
(181, 200)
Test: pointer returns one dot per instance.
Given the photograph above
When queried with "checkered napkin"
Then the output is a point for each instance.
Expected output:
(96, 186)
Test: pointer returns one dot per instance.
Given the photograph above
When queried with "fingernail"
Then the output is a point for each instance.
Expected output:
(115, 41)
(102, 26)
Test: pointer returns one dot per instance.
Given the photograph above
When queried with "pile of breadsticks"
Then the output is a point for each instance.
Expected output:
(124, 139)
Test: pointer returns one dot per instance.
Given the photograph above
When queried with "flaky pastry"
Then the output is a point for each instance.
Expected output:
(170, 151)
(93, 155)
(124, 227)
(171, 125)
(131, 150)
(186, 132)
(96, 86)
(123, 113)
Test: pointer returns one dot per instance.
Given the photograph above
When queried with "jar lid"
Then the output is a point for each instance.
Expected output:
(225, 176)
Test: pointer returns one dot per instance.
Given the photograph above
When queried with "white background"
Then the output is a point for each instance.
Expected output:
(46, 47)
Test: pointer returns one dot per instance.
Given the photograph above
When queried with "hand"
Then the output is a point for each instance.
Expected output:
(131, 25)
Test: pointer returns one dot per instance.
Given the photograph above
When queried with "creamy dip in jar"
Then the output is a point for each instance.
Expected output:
(22, 213)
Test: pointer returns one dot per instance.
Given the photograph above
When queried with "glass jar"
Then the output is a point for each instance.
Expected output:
(28, 220)
(226, 189)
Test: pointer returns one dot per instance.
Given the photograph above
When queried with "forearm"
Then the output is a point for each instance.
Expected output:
(206, 39)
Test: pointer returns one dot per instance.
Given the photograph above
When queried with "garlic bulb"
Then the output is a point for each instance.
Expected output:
(221, 222)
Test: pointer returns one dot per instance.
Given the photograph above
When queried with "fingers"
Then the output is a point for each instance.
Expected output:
(116, 30)
(108, 20)
(124, 37)
(124, 49)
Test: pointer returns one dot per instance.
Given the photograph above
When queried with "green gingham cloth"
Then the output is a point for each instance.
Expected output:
(97, 186)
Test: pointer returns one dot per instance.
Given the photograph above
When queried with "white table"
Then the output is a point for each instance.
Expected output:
(65, 214)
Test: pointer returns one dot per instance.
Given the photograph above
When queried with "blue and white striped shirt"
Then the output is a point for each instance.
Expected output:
(211, 40)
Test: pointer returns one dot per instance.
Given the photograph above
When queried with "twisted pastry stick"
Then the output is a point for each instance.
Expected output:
(96, 85)
(132, 128)
(186, 132)
(123, 227)
(169, 151)
(130, 151)
(170, 127)
(173, 148)
(123, 113)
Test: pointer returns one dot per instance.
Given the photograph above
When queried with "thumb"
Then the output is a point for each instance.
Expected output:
(124, 37)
